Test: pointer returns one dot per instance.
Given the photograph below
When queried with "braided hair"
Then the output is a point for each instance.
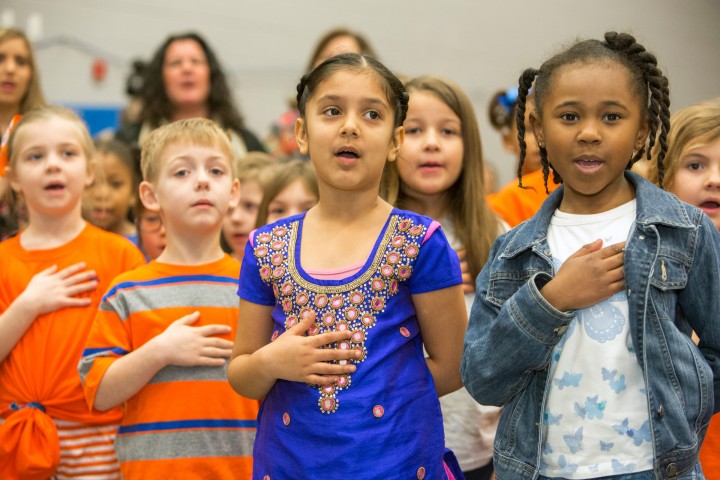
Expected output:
(650, 84)
(393, 88)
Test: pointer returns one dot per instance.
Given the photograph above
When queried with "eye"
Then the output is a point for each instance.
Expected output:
(413, 131)
(332, 111)
(449, 131)
(251, 207)
(183, 172)
(569, 117)
(217, 171)
(695, 166)
(117, 184)
(34, 156)
(69, 153)
(21, 61)
(373, 115)
(612, 117)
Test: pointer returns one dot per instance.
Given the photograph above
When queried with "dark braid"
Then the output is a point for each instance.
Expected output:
(658, 108)
(525, 81)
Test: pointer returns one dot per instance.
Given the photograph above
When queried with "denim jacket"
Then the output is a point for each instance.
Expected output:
(672, 277)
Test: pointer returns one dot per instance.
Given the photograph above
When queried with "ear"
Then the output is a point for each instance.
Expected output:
(301, 136)
(642, 135)
(235, 192)
(536, 124)
(90, 174)
(396, 143)
(10, 178)
(148, 197)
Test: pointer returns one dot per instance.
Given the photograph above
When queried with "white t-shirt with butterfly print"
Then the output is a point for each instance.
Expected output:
(595, 421)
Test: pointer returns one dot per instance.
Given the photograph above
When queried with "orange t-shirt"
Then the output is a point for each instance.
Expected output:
(186, 419)
(42, 367)
(710, 450)
(515, 204)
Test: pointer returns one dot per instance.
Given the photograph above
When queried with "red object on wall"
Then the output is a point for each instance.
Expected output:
(99, 70)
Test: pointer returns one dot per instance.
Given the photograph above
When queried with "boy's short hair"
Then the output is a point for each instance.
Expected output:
(194, 131)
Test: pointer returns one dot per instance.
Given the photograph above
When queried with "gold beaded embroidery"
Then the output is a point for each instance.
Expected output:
(351, 306)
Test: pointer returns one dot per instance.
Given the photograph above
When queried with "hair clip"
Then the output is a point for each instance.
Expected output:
(509, 99)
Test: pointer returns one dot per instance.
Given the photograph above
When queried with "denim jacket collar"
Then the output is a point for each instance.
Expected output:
(650, 210)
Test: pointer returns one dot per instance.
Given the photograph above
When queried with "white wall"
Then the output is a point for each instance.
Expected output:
(264, 45)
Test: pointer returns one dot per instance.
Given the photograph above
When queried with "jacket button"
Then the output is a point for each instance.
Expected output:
(672, 469)
(661, 411)
(641, 237)
(560, 330)
(629, 292)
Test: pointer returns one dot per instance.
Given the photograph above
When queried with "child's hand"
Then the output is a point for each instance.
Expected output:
(468, 285)
(298, 358)
(50, 290)
(186, 346)
(587, 277)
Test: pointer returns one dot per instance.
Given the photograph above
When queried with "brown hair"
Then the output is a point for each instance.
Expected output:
(329, 36)
(475, 225)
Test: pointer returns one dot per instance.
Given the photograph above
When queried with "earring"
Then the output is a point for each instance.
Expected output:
(541, 144)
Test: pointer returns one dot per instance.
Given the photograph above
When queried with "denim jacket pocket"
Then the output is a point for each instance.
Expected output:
(503, 284)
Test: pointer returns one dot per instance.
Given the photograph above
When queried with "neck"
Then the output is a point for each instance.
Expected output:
(184, 249)
(349, 207)
(433, 206)
(182, 113)
(45, 232)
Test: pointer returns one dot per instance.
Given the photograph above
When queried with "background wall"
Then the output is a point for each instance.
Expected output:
(264, 45)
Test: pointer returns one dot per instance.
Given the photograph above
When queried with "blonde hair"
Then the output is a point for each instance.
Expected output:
(283, 175)
(46, 113)
(258, 166)
(691, 127)
(33, 97)
(194, 131)
(475, 225)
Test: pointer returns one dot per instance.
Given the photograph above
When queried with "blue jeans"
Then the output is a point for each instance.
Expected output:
(694, 474)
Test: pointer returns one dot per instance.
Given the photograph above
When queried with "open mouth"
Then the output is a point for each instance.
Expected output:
(54, 186)
(710, 205)
(347, 154)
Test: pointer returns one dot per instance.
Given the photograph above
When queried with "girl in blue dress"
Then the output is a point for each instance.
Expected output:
(336, 303)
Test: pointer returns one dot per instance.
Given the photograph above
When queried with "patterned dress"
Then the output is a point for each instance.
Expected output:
(383, 420)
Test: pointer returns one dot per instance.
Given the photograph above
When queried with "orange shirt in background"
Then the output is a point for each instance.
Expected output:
(515, 204)
(710, 450)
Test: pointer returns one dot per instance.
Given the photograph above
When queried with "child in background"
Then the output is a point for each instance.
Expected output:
(21, 93)
(254, 171)
(367, 283)
(580, 322)
(293, 189)
(52, 279)
(150, 230)
(520, 199)
(692, 173)
(109, 200)
(162, 337)
(438, 173)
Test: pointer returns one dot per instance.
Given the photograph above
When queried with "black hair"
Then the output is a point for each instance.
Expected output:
(650, 84)
(156, 104)
(393, 88)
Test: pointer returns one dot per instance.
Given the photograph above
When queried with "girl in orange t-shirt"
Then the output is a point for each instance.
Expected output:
(53, 277)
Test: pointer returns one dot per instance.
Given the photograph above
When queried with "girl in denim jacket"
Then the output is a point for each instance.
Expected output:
(581, 321)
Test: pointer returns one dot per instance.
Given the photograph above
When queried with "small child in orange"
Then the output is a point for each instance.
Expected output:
(52, 279)
(163, 335)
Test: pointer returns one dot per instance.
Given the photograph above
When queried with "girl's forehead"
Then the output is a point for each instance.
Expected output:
(357, 82)
(45, 130)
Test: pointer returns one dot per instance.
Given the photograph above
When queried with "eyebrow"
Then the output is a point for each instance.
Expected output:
(368, 100)
(607, 103)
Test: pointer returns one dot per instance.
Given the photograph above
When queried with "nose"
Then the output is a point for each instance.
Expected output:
(203, 180)
(712, 180)
(589, 132)
(431, 140)
(349, 126)
(52, 161)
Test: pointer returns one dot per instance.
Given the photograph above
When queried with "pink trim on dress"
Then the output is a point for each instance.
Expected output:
(431, 229)
(335, 273)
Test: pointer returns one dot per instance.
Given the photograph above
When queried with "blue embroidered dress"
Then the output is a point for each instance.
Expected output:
(383, 420)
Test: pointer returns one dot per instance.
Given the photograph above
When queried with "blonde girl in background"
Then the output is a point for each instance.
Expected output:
(692, 173)
(20, 93)
(293, 189)
(337, 302)
(438, 173)
(254, 171)
(109, 201)
(54, 274)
